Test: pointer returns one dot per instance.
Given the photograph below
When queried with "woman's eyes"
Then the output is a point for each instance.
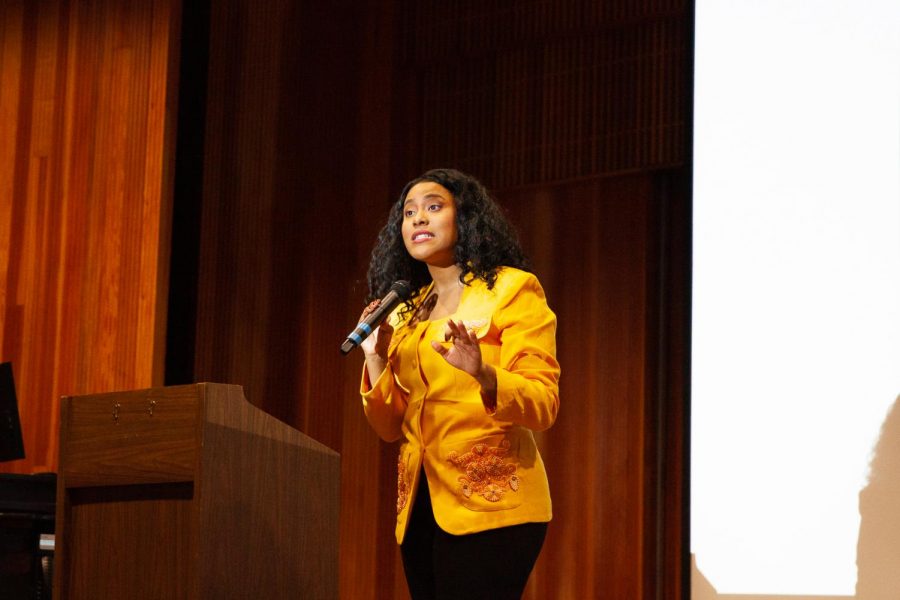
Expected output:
(431, 208)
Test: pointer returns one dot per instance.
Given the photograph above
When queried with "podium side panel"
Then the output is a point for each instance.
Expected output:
(270, 512)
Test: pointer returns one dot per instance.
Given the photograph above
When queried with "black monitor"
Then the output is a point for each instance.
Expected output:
(11, 446)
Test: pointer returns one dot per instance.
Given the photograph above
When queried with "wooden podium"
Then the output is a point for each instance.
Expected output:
(191, 492)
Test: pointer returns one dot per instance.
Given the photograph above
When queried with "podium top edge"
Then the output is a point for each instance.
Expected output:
(160, 390)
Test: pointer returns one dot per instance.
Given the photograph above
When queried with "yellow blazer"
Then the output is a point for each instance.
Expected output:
(484, 470)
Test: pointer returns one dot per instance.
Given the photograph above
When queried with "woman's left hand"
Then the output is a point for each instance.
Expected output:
(464, 352)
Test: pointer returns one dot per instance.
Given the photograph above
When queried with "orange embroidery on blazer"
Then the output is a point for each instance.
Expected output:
(486, 473)
(402, 486)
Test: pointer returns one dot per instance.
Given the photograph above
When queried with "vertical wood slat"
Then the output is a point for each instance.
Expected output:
(85, 179)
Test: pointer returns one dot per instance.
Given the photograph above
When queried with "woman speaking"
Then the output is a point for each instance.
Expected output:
(462, 373)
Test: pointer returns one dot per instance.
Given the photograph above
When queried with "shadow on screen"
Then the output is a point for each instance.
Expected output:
(878, 544)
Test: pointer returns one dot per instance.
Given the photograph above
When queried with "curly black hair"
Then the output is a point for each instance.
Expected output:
(485, 239)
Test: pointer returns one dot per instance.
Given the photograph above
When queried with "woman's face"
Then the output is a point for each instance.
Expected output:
(429, 224)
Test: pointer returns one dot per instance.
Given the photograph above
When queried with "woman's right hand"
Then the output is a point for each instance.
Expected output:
(375, 346)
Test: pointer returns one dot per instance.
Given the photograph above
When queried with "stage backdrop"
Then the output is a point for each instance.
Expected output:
(296, 127)
(576, 114)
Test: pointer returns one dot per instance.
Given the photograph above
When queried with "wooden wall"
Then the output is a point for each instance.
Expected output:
(532, 92)
(616, 494)
(86, 147)
(298, 123)
(576, 114)
(284, 228)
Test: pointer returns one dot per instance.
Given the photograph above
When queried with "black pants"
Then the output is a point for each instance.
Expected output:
(491, 564)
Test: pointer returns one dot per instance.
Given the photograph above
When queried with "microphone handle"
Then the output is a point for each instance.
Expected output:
(370, 323)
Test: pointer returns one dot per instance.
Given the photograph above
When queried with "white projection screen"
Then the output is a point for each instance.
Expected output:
(795, 425)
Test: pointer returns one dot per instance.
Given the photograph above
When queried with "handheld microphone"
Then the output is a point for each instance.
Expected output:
(400, 291)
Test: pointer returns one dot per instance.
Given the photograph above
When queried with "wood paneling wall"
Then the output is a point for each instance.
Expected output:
(576, 114)
(285, 224)
(86, 146)
(611, 253)
(527, 93)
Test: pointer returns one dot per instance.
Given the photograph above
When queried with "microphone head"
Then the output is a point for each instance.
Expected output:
(402, 289)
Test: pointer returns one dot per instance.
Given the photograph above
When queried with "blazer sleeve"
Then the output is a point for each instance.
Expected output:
(528, 373)
(384, 403)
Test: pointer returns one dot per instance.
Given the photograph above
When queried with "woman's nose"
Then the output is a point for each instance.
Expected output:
(420, 218)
